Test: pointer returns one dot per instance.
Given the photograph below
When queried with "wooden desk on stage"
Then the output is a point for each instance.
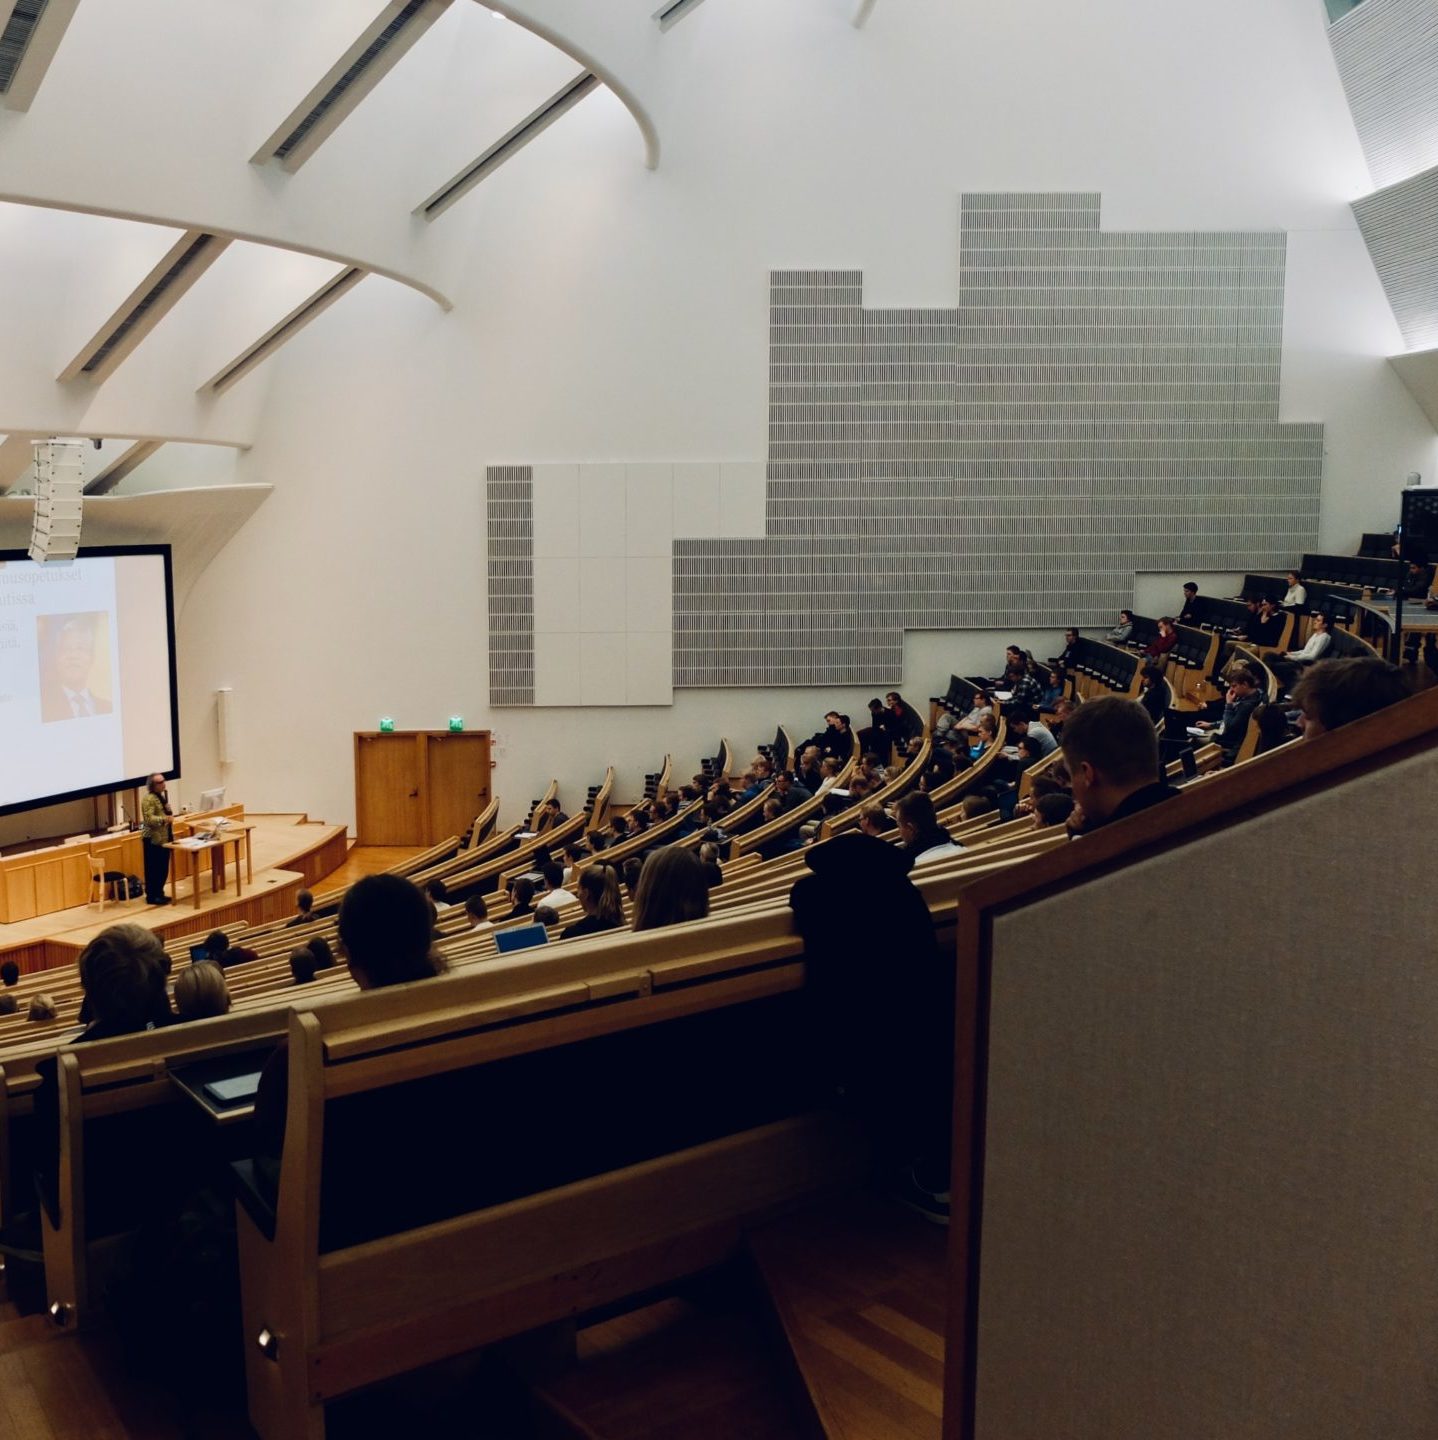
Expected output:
(41, 882)
(236, 835)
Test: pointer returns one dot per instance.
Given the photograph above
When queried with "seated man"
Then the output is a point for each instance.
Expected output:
(1188, 612)
(1245, 695)
(1268, 627)
(1024, 723)
(555, 894)
(1416, 580)
(1066, 659)
(789, 793)
(304, 909)
(835, 738)
(1111, 752)
(807, 772)
(1341, 691)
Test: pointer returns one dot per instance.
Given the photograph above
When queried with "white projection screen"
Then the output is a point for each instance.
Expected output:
(87, 674)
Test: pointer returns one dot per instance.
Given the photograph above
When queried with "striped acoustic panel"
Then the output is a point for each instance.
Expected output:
(1400, 228)
(1095, 405)
(1387, 54)
(509, 495)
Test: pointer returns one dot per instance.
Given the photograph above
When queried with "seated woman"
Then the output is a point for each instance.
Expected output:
(672, 889)
(1164, 641)
(1155, 695)
(984, 736)
(201, 992)
(1296, 596)
(598, 891)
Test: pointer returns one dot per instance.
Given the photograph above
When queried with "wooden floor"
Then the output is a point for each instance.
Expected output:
(676, 1370)
(858, 1287)
(364, 860)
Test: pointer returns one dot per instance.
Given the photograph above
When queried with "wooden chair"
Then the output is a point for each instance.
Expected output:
(98, 885)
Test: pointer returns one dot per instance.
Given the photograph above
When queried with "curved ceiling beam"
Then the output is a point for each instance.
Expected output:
(562, 31)
(173, 222)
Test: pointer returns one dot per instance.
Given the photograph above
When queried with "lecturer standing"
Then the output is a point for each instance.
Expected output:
(156, 832)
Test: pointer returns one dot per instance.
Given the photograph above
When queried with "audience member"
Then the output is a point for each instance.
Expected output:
(809, 771)
(598, 890)
(43, 1009)
(1067, 658)
(1416, 580)
(549, 816)
(304, 909)
(709, 859)
(201, 992)
(1111, 751)
(835, 738)
(874, 820)
(673, 888)
(902, 723)
(1025, 724)
(319, 947)
(123, 983)
(1267, 629)
(302, 965)
(1244, 696)
(1164, 641)
(1052, 809)
(438, 891)
(922, 838)
(9, 974)
(633, 869)
(1026, 691)
(219, 949)
(1065, 707)
(478, 913)
(1053, 690)
(1188, 610)
(546, 915)
(9, 1005)
(1337, 692)
(789, 793)
(1296, 596)
(555, 895)
(1155, 694)
(1121, 633)
(1289, 665)
(521, 894)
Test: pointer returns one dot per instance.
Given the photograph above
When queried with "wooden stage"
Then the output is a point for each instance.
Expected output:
(290, 853)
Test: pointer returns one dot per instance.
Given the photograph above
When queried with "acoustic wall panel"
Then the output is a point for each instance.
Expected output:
(1400, 228)
(510, 513)
(1095, 405)
(1387, 54)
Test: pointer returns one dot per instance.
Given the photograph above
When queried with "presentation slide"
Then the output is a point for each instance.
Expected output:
(86, 700)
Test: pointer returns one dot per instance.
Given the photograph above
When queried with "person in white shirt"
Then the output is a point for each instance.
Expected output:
(438, 891)
(1026, 723)
(555, 894)
(1297, 596)
(1320, 641)
(923, 839)
(478, 913)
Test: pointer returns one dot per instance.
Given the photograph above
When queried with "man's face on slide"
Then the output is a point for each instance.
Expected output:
(74, 656)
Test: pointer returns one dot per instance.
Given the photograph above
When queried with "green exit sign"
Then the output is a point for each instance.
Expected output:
(386, 725)
(456, 722)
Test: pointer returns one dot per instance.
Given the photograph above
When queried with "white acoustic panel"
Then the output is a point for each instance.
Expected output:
(603, 528)
(649, 509)
(741, 501)
(696, 501)
(556, 511)
(602, 595)
(556, 594)
(556, 668)
(603, 669)
(649, 593)
(649, 667)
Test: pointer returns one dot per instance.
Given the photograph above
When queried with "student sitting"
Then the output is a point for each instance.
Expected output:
(789, 793)
(1268, 627)
(302, 965)
(902, 723)
(319, 947)
(1296, 596)
(1188, 611)
(874, 820)
(709, 859)
(1025, 724)
(1156, 694)
(9, 974)
(1339, 692)
(219, 949)
(1244, 696)
(922, 838)
(1164, 641)
(1052, 810)
(673, 889)
(598, 890)
(201, 992)
(304, 909)
(1028, 690)
(438, 891)
(42, 1009)
(1053, 690)
(555, 894)
(1123, 631)
(478, 913)
(1067, 658)
(546, 915)
(1111, 752)
(521, 893)
(1289, 665)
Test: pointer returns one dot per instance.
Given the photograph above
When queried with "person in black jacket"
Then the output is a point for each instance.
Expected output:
(598, 891)
(902, 723)
(880, 999)
(1111, 751)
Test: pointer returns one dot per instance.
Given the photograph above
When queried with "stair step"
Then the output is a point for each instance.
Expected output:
(674, 1370)
(858, 1287)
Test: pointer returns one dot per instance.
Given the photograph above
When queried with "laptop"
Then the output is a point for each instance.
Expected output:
(523, 938)
(198, 953)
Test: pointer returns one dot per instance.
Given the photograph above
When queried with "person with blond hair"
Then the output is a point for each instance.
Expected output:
(201, 992)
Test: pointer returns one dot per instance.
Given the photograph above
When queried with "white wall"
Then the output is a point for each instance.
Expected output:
(607, 313)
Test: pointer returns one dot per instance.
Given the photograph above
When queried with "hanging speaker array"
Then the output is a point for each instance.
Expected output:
(59, 498)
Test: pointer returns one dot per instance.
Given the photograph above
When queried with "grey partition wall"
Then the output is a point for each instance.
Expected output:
(1211, 1138)
(1096, 404)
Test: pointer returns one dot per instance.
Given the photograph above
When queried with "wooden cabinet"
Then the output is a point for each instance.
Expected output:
(414, 787)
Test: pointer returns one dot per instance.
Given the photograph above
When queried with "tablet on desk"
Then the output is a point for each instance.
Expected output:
(233, 1090)
(1003, 696)
(199, 952)
(1197, 733)
(507, 941)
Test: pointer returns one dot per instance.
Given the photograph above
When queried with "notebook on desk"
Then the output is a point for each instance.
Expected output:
(233, 1089)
